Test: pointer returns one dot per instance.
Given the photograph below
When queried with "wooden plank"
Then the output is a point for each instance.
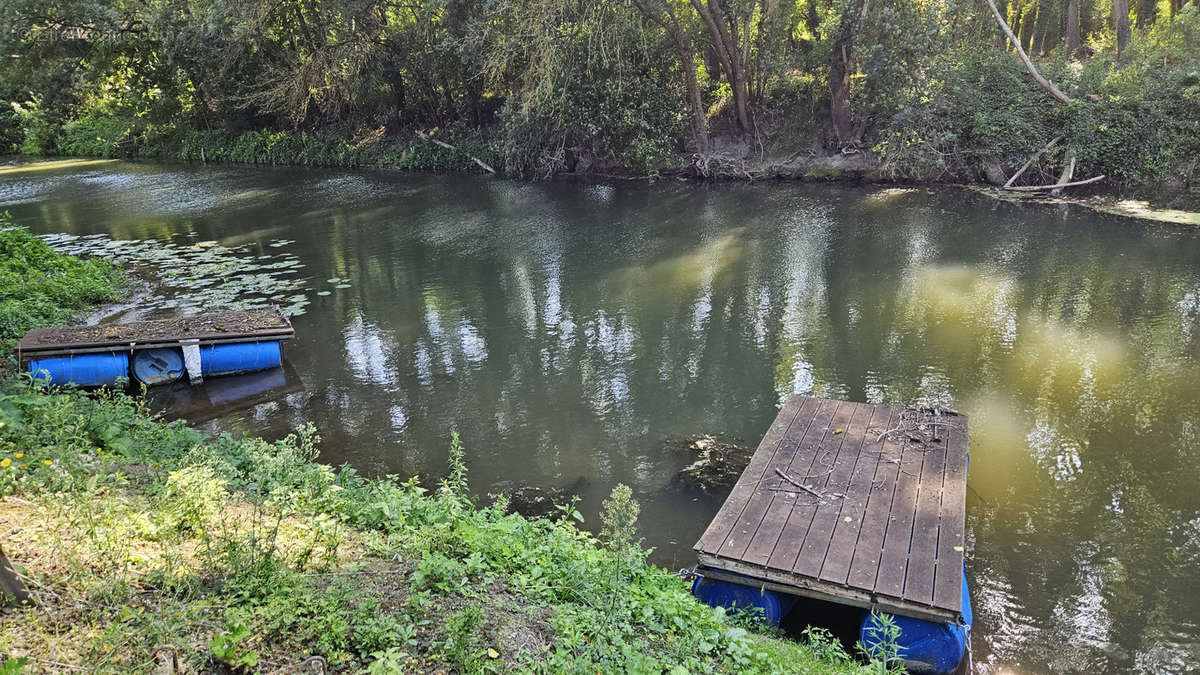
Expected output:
(947, 591)
(727, 515)
(836, 567)
(140, 346)
(778, 580)
(818, 540)
(893, 563)
(922, 557)
(208, 326)
(864, 567)
(777, 505)
(827, 445)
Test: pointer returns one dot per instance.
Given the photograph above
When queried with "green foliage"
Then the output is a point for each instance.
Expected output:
(228, 646)
(99, 132)
(40, 287)
(884, 633)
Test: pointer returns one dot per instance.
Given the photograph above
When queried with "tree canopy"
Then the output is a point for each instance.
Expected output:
(932, 88)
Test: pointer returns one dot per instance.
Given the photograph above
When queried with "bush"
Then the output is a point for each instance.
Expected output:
(101, 132)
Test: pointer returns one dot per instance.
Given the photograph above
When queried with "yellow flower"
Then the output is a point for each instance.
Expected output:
(47, 462)
(5, 462)
(18, 455)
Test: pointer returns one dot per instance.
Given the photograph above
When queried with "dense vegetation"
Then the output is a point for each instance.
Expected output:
(39, 287)
(155, 547)
(909, 89)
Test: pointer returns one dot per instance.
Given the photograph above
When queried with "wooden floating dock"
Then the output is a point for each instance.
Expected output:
(213, 328)
(853, 503)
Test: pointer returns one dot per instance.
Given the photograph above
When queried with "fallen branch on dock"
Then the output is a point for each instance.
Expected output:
(798, 484)
(426, 137)
(1042, 188)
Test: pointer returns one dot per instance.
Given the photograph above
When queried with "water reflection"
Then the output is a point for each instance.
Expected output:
(565, 330)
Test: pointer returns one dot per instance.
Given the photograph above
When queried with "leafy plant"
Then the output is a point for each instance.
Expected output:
(229, 648)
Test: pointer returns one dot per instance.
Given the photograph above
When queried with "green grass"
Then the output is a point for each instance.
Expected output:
(40, 287)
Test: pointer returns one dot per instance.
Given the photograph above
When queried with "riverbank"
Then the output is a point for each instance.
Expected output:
(39, 287)
(155, 547)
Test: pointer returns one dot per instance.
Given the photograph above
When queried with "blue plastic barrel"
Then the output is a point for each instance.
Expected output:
(927, 646)
(86, 370)
(158, 366)
(715, 593)
(240, 357)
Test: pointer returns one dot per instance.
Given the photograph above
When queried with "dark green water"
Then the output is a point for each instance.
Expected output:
(565, 330)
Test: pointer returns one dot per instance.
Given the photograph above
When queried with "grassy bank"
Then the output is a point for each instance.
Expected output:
(39, 287)
(155, 547)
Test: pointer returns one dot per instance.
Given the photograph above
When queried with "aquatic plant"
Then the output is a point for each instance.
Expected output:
(195, 277)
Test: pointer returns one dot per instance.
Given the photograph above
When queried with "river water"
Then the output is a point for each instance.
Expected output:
(565, 330)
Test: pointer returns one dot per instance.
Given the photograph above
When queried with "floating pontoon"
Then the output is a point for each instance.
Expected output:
(157, 352)
(856, 504)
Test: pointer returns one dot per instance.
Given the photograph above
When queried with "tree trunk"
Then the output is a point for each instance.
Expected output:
(1015, 10)
(726, 47)
(1033, 71)
(841, 67)
(686, 52)
(695, 103)
(1121, 22)
(1029, 27)
(1037, 45)
(1073, 37)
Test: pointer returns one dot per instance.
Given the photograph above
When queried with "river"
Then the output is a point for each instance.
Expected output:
(565, 330)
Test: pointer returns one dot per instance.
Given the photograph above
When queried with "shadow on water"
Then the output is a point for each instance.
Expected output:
(220, 396)
(565, 330)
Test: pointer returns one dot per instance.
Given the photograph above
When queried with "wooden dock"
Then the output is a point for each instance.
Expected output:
(854, 503)
(211, 328)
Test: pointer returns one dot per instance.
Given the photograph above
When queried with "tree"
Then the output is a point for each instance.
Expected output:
(1073, 38)
(663, 13)
(841, 68)
(729, 35)
(1121, 23)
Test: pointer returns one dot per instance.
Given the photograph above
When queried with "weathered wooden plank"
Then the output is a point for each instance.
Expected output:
(947, 590)
(771, 507)
(820, 532)
(825, 446)
(893, 563)
(818, 541)
(747, 530)
(836, 567)
(777, 580)
(727, 515)
(247, 324)
(868, 549)
(922, 557)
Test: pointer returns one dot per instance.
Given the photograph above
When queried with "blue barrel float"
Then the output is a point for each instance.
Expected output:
(240, 357)
(86, 370)
(158, 366)
(771, 605)
(926, 646)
